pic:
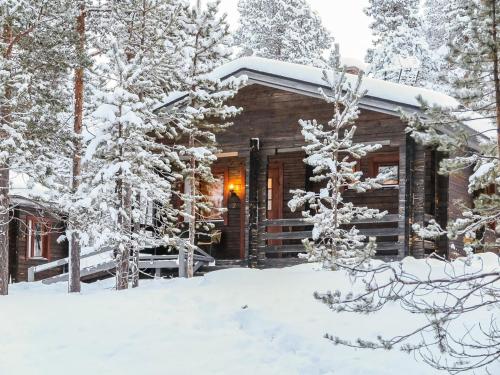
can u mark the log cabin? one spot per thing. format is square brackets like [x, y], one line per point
[35, 233]
[261, 162]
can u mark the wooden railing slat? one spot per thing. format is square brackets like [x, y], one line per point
[369, 232]
[391, 218]
[283, 249]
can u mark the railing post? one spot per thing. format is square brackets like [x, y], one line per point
[31, 274]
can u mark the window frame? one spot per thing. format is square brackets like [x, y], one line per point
[378, 161]
[222, 171]
[31, 220]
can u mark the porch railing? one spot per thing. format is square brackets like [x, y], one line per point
[146, 261]
[387, 230]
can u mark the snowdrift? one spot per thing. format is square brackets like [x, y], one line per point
[236, 321]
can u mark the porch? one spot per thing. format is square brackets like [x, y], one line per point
[259, 229]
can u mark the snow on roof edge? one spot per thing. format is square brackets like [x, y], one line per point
[375, 88]
[394, 92]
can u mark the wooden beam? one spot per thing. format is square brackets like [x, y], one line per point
[227, 155]
[253, 202]
[390, 218]
[406, 155]
[169, 264]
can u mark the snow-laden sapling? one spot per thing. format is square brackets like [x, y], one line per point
[131, 152]
[333, 154]
[205, 113]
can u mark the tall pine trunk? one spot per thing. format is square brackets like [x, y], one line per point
[75, 248]
[4, 230]
[496, 73]
[192, 213]
[5, 113]
[134, 263]
[124, 195]
[123, 264]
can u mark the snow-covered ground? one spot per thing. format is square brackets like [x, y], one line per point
[237, 321]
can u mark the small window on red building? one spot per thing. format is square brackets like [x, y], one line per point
[37, 239]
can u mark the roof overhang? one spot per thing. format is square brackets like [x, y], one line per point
[383, 97]
[300, 87]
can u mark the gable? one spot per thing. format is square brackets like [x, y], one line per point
[273, 115]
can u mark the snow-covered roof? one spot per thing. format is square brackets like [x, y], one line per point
[375, 88]
[380, 95]
[21, 186]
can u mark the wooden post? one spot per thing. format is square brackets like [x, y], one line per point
[262, 204]
[31, 274]
[182, 262]
[417, 199]
[253, 203]
[245, 211]
[404, 178]
[441, 199]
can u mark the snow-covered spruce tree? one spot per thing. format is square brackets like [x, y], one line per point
[205, 113]
[130, 156]
[473, 57]
[467, 284]
[333, 154]
[400, 53]
[283, 30]
[30, 98]
[441, 18]
[57, 160]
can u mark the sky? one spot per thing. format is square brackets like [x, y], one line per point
[344, 18]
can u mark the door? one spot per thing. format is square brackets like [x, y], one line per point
[275, 197]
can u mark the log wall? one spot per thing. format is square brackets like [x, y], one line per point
[272, 116]
[18, 244]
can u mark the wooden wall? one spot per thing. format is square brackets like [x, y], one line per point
[458, 197]
[18, 244]
[273, 115]
[232, 245]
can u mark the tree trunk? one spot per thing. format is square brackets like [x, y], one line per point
[5, 113]
[496, 73]
[134, 261]
[123, 264]
[74, 256]
[4, 230]
[192, 213]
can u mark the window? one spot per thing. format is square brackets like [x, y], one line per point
[37, 241]
[269, 194]
[386, 164]
[390, 171]
[215, 193]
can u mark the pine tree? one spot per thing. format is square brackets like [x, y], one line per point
[131, 159]
[400, 53]
[30, 100]
[282, 30]
[58, 161]
[439, 24]
[205, 112]
[333, 154]
[474, 57]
